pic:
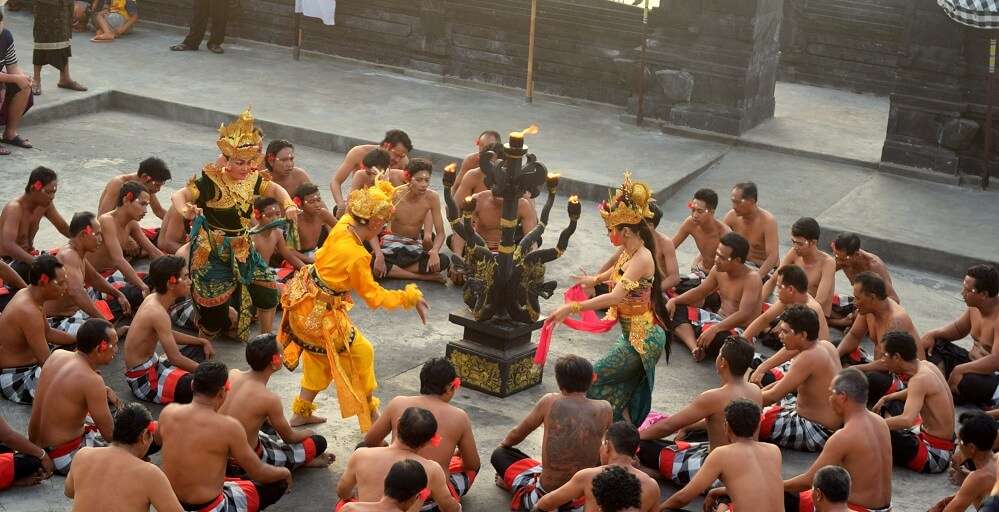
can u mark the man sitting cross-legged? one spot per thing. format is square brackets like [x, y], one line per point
[405, 486]
[922, 436]
[977, 434]
[269, 240]
[21, 461]
[22, 216]
[618, 449]
[412, 246]
[198, 442]
[473, 160]
[279, 158]
[862, 447]
[456, 452]
[757, 226]
[364, 478]
[792, 288]
[679, 460]
[704, 228]
[737, 285]
[973, 375]
[24, 347]
[313, 224]
[877, 314]
[574, 429]
[118, 227]
[802, 421]
[818, 266]
[72, 408]
[116, 477]
[252, 404]
[853, 261]
[85, 288]
[151, 378]
[749, 469]
[831, 489]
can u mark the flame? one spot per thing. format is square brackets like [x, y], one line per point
[574, 199]
[530, 130]
[451, 167]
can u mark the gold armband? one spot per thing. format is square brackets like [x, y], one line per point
[576, 307]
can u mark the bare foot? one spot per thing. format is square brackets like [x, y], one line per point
[322, 461]
[438, 278]
[500, 483]
[103, 37]
[698, 354]
[297, 420]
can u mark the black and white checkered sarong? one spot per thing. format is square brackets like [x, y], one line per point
[19, 384]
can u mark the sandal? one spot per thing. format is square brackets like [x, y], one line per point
[36, 89]
[18, 141]
[73, 86]
[181, 47]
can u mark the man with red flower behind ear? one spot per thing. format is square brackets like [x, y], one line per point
[252, 404]
[72, 407]
[124, 240]
[24, 348]
[21, 217]
[439, 383]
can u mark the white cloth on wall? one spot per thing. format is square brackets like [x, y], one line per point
[322, 9]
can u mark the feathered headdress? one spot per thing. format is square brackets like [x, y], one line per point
[240, 139]
[629, 204]
[374, 202]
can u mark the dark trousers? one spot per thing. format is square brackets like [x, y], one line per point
[218, 10]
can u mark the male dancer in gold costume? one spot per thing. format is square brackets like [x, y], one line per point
[315, 328]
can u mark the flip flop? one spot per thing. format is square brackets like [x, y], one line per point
[36, 89]
[18, 141]
[73, 86]
[182, 48]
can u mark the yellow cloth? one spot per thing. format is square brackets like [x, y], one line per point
[315, 321]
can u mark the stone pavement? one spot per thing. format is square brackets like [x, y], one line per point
[329, 104]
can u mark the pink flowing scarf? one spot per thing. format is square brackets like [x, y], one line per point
[588, 322]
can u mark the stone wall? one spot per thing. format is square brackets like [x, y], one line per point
[937, 114]
[848, 44]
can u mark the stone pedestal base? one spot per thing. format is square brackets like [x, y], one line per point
[494, 358]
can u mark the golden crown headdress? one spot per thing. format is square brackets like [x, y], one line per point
[240, 139]
[629, 204]
[374, 202]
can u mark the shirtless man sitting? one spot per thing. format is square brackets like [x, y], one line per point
[977, 434]
[792, 288]
[853, 261]
[396, 143]
[115, 477]
[198, 442]
[818, 266]
[615, 489]
[704, 228]
[280, 162]
[486, 217]
[749, 469]
[152, 174]
[877, 314]
[21, 461]
[738, 286]
[24, 348]
[972, 375]
[117, 227]
[271, 241]
[619, 447]
[831, 490]
[574, 430]
[757, 226]
[150, 377]
[252, 404]
[862, 447]
[473, 181]
[803, 422]
[925, 447]
[456, 453]
[407, 255]
[472, 160]
[21, 217]
[364, 478]
[85, 287]
[679, 460]
[173, 232]
[405, 486]
[314, 223]
[72, 407]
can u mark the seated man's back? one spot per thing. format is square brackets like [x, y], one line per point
[136, 484]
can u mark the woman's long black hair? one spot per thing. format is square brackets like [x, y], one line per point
[658, 304]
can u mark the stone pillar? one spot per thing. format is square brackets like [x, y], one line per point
[731, 48]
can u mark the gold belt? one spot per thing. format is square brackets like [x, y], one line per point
[316, 349]
[632, 308]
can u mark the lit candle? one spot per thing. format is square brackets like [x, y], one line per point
[552, 180]
[516, 140]
[575, 209]
[450, 174]
[469, 205]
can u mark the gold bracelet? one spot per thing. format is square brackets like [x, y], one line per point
[289, 204]
[576, 307]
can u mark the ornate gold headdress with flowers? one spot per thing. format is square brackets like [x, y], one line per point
[629, 204]
[374, 202]
[240, 139]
